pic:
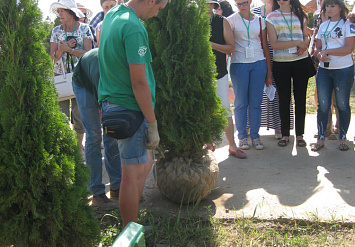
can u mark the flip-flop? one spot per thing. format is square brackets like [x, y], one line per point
[301, 143]
[343, 147]
[283, 143]
[316, 146]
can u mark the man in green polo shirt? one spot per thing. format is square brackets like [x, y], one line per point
[127, 84]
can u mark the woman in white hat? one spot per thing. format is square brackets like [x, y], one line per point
[69, 41]
[86, 11]
[71, 37]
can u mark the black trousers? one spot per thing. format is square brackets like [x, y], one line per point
[283, 72]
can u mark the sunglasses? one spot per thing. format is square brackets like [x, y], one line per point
[282, 0]
[242, 4]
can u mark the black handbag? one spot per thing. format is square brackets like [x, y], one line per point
[311, 67]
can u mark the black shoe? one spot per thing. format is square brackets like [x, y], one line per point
[103, 202]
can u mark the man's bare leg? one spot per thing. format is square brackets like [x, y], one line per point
[133, 177]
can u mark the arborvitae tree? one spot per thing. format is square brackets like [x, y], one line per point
[188, 110]
[43, 181]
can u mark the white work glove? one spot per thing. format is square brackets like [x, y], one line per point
[153, 139]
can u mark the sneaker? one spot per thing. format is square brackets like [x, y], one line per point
[114, 194]
[257, 144]
[103, 202]
[243, 144]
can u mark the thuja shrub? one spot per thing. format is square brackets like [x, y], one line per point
[188, 109]
[43, 181]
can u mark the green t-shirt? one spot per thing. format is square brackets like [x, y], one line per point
[123, 41]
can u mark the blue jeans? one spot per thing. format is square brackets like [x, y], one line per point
[248, 83]
[89, 111]
[341, 80]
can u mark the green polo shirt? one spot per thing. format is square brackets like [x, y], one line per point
[123, 41]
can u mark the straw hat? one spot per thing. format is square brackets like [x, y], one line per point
[88, 11]
[65, 4]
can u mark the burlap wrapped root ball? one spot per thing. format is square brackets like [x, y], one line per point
[187, 180]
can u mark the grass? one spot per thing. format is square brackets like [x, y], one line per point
[194, 230]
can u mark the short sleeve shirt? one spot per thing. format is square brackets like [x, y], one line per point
[240, 34]
[336, 33]
[98, 27]
[281, 24]
[123, 41]
[81, 33]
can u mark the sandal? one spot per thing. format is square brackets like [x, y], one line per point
[316, 146]
[283, 143]
[301, 143]
[343, 146]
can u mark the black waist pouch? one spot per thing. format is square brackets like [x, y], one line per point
[122, 124]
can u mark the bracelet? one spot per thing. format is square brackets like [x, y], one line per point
[72, 50]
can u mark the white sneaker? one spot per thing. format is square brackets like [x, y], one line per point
[257, 144]
[243, 144]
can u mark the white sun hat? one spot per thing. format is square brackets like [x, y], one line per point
[65, 4]
[88, 11]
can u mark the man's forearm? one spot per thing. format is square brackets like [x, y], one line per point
[144, 99]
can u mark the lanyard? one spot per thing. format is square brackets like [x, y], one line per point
[290, 29]
[247, 26]
[264, 16]
[211, 19]
[70, 59]
[66, 36]
[326, 36]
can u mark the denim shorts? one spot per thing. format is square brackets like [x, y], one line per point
[132, 150]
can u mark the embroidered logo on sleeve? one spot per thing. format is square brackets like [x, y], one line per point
[142, 51]
[352, 28]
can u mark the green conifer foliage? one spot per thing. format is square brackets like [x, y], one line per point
[43, 181]
[188, 110]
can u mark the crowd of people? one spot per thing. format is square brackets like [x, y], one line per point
[257, 49]
[271, 48]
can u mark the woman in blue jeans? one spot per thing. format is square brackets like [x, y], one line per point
[250, 70]
[334, 45]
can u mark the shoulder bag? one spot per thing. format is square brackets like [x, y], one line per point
[63, 83]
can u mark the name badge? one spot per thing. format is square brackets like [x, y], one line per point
[292, 49]
[249, 52]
